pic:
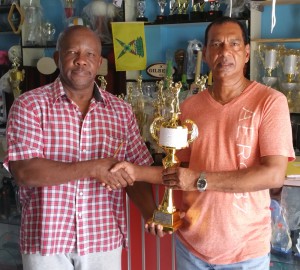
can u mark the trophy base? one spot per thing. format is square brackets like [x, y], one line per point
[214, 14]
[289, 86]
[269, 81]
[178, 18]
[170, 221]
[198, 16]
[142, 19]
[161, 19]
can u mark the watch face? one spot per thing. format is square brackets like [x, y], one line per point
[201, 185]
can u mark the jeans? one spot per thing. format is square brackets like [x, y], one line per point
[187, 261]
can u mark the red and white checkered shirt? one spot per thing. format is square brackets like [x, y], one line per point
[81, 215]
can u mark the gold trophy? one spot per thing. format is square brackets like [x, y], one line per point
[171, 134]
[16, 76]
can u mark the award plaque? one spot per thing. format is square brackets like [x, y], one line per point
[171, 134]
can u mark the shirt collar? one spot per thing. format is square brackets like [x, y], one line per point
[59, 92]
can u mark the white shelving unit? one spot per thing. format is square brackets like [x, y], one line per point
[257, 11]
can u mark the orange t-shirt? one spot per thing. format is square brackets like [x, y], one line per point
[220, 227]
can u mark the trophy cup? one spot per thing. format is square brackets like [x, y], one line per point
[289, 70]
[141, 8]
[48, 33]
[268, 56]
[69, 7]
[171, 134]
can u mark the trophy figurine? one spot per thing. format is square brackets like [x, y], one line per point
[171, 134]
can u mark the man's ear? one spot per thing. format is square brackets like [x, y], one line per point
[56, 58]
[247, 48]
[204, 54]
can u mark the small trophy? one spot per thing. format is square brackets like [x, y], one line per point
[16, 76]
[171, 134]
[161, 18]
[197, 14]
[290, 70]
[214, 11]
[141, 8]
[269, 59]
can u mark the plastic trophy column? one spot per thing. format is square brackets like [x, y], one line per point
[16, 76]
[171, 135]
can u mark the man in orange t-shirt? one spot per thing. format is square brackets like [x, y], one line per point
[242, 150]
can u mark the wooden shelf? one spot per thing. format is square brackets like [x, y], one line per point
[276, 40]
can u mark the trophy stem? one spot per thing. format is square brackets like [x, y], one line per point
[167, 204]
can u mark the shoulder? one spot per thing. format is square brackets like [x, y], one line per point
[36, 96]
[116, 103]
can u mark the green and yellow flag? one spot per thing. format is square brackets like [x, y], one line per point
[129, 45]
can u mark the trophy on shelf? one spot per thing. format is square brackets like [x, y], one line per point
[289, 70]
[141, 8]
[183, 6]
[269, 59]
[161, 18]
[16, 76]
[197, 14]
[171, 134]
[214, 10]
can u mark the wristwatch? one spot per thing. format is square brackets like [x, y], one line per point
[201, 183]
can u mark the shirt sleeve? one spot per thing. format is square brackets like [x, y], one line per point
[23, 133]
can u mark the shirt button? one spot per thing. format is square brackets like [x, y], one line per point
[81, 193]
[83, 150]
[80, 215]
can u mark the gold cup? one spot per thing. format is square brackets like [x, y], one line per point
[171, 134]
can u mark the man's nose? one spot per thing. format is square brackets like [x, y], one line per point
[80, 59]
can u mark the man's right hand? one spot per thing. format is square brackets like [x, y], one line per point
[112, 179]
[155, 229]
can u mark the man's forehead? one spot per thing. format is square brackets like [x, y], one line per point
[229, 32]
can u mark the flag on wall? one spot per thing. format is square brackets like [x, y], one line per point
[129, 45]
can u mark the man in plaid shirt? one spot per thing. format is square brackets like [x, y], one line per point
[63, 139]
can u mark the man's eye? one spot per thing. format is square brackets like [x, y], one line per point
[216, 44]
[235, 44]
[71, 52]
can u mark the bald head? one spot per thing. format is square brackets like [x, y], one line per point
[74, 30]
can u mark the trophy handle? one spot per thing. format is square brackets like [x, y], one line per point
[193, 132]
[155, 126]
[10, 19]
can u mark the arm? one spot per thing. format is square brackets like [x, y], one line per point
[142, 196]
[269, 174]
[149, 174]
[44, 172]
